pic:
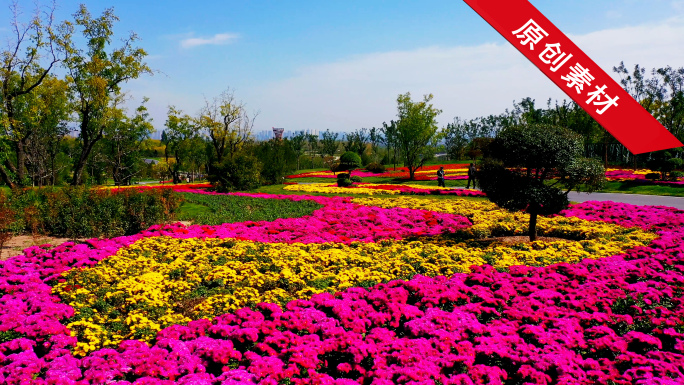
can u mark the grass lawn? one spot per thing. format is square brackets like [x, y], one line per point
[640, 188]
[218, 209]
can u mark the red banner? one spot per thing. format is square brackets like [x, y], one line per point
[576, 74]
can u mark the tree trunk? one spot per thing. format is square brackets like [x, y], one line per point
[605, 155]
[78, 169]
[21, 162]
[532, 230]
[6, 177]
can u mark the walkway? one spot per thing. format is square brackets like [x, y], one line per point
[635, 199]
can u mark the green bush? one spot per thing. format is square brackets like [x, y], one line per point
[356, 179]
[350, 161]
[237, 173]
[81, 212]
[342, 176]
[375, 168]
[674, 175]
[365, 159]
[344, 182]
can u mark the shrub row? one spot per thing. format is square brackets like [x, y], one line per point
[80, 212]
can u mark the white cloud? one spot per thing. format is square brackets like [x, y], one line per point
[218, 39]
[466, 81]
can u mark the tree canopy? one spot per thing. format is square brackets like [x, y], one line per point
[416, 131]
[534, 167]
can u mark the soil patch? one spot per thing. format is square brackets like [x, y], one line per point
[15, 245]
[518, 239]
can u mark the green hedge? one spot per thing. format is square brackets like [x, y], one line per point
[80, 212]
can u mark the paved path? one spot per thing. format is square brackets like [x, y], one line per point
[635, 199]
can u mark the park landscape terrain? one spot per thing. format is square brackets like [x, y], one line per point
[372, 283]
[208, 257]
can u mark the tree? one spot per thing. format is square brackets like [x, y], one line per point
[22, 70]
[375, 137]
[521, 162]
[357, 141]
[96, 77]
[123, 141]
[456, 138]
[181, 129]
[416, 134]
[312, 140]
[389, 133]
[666, 162]
[43, 114]
[329, 143]
[349, 161]
[227, 123]
[296, 143]
[277, 159]
[238, 172]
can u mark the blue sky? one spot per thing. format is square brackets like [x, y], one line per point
[341, 64]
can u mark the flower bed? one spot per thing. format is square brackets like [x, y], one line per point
[622, 175]
[451, 172]
[389, 189]
[169, 185]
[612, 320]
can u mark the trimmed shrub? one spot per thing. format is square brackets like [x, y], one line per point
[350, 161]
[652, 176]
[238, 173]
[344, 182]
[81, 212]
[375, 168]
[674, 175]
[356, 179]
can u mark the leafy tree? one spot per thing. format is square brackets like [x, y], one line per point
[417, 131]
[228, 124]
[32, 53]
[296, 144]
[666, 161]
[43, 114]
[389, 133]
[521, 162]
[181, 129]
[96, 77]
[239, 172]
[357, 141]
[277, 159]
[375, 137]
[662, 95]
[312, 141]
[123, 142]
[456, 138]
[329, 143]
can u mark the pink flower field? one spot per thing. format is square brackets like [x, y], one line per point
[616, 320]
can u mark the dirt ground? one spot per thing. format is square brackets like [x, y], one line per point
[17, 244]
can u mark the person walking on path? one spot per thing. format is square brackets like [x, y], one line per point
[471, 175]
[440, 177]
